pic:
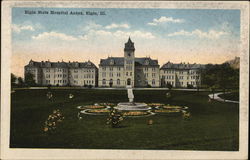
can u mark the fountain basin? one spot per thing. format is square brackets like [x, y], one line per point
[130, 106]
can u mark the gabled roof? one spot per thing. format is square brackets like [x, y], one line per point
[119, 61]
[146, 61]
[62, 64]
[183, 66]
[112, 61]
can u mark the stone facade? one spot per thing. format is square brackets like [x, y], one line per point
[128, 70]
[117, 72]
[62, 73]
[181, 75]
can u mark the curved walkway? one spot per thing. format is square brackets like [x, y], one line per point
[217, 98]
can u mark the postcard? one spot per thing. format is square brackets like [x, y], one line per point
[124, 80]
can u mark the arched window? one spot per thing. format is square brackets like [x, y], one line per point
[111, 82]
[153, 82]
[104, 81]
[128, 81]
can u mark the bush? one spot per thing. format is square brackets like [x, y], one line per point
[190, 86]
[169, 86]
[90, 86]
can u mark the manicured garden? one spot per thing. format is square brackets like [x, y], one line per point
[212, 126]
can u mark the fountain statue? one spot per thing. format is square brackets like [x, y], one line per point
[130, 94]
[131, 105]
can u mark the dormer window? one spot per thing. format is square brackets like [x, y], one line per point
[146, 62]
[31, 62]
[129, 54]
[111, 61]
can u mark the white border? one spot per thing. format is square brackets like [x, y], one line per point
[7, 153]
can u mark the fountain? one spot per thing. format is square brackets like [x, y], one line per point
[131, 105]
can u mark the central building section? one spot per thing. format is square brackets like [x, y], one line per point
[129, 63]
[129, 70]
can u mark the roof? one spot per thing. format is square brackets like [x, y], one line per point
[129, 46]
[112, 61]
[119, 61]
[45, 64]
[146, 61]
[184, 66]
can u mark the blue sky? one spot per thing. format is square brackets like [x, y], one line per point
[177, 35]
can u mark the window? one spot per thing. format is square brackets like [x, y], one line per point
[126, 73]
[118, 68]
[76, 76]
[118, 81]
[130, 73]
[104, 81]
[153, 82]
[47, 75]
[153, 75]
[110, 74]
[153, 69]
[146, 69]
[47, 70]
[76, 71]
[104, 68]
[111, 68]
[103, 74]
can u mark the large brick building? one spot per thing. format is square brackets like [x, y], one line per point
[116, 72]
[129, 70]
[62, 73]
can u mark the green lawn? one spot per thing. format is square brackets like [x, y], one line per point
[234, 96]
[213, 126]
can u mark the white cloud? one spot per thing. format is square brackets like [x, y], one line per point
[114, 25]
[91, 25]
[211, 34]
[51, 35]
[134, 34]
[18, 28]
[118, 34]
[103, 33]
[164, 19]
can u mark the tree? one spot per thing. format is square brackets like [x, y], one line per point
[13, 79]
[29, 79]
[169, 86]
[221, 76]
[20, 81]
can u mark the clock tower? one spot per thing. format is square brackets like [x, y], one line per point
[129, 63]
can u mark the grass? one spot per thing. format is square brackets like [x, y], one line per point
[234, 96]
[213, 125]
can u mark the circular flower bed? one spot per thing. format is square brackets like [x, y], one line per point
[155, 104]
[91, 107]
[95, 111]
[168, 111]
[98, 111]
[136, 113]
[172, 107]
